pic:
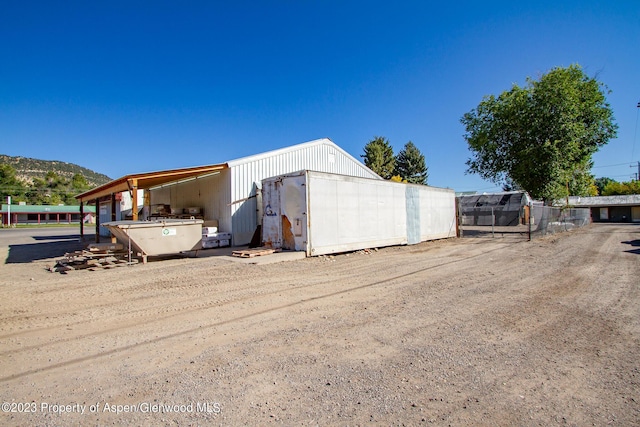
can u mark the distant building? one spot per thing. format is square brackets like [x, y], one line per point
[625, 208]
[45, 214]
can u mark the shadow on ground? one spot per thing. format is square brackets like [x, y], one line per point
[635, 243]
[46, 248]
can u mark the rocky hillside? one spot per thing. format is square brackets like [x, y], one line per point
[27, 169]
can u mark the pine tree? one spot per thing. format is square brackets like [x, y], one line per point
[411, 166]
[378, 156]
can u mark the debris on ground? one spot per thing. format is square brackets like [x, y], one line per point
[251, 253]
[96, 256]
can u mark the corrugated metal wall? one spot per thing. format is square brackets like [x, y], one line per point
[246, 177]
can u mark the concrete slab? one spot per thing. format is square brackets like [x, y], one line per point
[225, 254]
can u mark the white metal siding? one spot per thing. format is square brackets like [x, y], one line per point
[247, 175]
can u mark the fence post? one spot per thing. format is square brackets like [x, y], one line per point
[493, 221]
[529, 219]
[458, 218]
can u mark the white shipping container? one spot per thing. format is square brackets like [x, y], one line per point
[321, 213]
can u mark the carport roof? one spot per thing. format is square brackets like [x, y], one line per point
[147, 180]
[604, 201]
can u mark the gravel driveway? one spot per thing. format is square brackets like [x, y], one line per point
[454, 332]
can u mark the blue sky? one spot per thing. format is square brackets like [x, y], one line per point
[134, 86]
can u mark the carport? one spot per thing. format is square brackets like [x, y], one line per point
[133, 183]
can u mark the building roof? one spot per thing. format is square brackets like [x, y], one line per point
[509, 200]
[27, 209]
[147, 180]
[154, 179]
[602, 201]
[298, 147]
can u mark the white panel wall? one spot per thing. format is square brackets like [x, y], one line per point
[437, 213]
[350, 213]
[347, 213]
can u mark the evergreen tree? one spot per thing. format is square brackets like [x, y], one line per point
[411, 166]
[378, 156]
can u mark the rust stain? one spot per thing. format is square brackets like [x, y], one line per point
[288, 241]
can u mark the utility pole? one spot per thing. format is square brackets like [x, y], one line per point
[636, 174]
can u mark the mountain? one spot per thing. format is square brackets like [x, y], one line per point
[27, 169]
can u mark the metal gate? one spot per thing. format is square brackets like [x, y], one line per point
[532, 221]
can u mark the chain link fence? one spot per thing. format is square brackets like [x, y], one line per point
[529, 222]
[556, 220]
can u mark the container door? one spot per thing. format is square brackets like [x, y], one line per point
[271, 223]
[293, 212]
[635, 213]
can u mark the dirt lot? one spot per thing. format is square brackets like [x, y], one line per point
[457, 332]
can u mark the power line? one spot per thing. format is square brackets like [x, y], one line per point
[610, 166]
[617, 176]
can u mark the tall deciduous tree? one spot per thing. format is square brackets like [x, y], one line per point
[621, 188]
[541, 136]
[410, 165]
[378, 156]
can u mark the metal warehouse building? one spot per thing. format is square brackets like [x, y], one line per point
[226, 192]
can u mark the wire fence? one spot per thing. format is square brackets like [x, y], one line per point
[528, 222]
[556, 220]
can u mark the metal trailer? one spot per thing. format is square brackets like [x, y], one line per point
[322, 213]
[161, 237]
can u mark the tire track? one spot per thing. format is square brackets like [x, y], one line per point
[236, 319]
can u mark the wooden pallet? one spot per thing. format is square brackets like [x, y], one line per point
[91, 260]
[251, 253]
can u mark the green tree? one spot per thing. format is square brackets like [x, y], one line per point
[378, 156]
[621, 188]
[10, 185]
[410, 165]
[542, 135]
[79, 183]
[509, 185]
[602, 182]
[581, 182]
